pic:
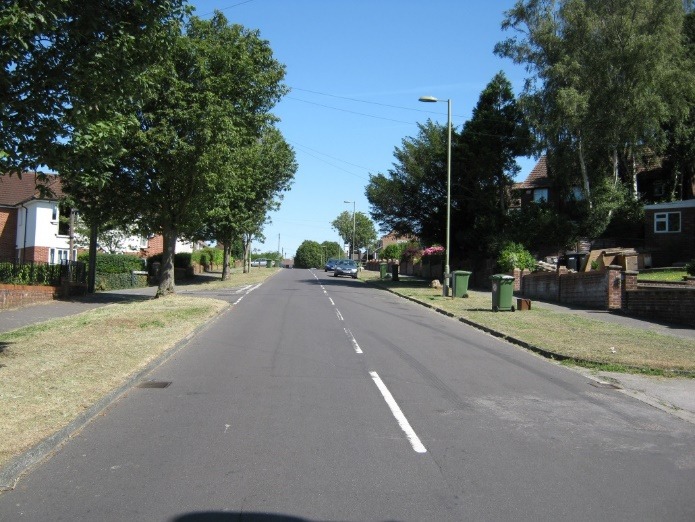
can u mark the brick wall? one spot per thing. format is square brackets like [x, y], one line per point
[8, 231]
[673, 305]
[14, 296]
[602, 289]
[36, 254]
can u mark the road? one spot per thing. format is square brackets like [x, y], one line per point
[317, 398]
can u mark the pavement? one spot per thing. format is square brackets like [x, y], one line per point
[675, 395]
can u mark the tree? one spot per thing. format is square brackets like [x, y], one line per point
[486, 153]
[308, 255]
[331, 249]
[250, 185]
[411, 198]
[63, 61]
[364, 231]
[606, 77]
[212, 92]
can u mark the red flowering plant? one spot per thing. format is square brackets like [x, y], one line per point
[434, 250]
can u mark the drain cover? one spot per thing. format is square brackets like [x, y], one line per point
[154, 384]
[600, 384]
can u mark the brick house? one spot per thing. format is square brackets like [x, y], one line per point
[30, 228]
[669, 230]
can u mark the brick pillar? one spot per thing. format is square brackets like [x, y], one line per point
[629, 283]
[614, 287]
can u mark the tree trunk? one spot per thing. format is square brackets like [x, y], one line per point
[246, 241]
[166, 272]
[226, 249]
[585, 175]
[92, 268]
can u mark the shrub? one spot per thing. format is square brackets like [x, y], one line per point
[393, 251]
[514, 255]
[690, 267]
[208, 256]
[181, 260]
[114, 263]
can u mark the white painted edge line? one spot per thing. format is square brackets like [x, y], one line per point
[398, 414]
[353, 341]
[337, 312]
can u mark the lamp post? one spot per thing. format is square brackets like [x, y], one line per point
[432, 99]
[352, 245]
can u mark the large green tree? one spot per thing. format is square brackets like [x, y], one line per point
[411, 198]
[361, 225]
[212, 92]
[63, 61]
[486, 153]
[606, 77]
[309, 255]
[251, 184]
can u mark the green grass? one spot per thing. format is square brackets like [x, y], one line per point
[668, 275]
[565, 335]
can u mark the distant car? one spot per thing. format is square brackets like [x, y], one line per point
[330, 264]
[345, 267]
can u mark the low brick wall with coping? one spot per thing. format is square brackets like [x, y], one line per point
[611, 289]
[15, 296]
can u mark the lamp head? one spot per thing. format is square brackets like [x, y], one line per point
[428, 99]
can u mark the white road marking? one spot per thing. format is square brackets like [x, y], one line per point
[331, 300]
[353, 341]
[398, 414]
[337, 312]
[248, 291]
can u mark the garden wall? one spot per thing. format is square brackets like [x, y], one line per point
[600, 289]
[15, 296]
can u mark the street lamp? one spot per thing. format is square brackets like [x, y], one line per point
[352, 246]
[432, 99]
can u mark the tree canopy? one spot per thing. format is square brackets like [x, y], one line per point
[411, 199]
[365, 233]
[606, 80]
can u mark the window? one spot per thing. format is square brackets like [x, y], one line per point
[540, 195]
[576, 193]
[665, 222]
[58, 255]
[54, 215]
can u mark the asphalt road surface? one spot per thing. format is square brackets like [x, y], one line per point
[318, 398]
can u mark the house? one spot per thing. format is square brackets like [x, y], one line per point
[536, 188]
[30, 228]
[669, 232]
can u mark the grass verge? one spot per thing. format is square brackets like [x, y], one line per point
[597, 343]
[53, 371]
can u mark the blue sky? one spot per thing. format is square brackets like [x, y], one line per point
[356, 69]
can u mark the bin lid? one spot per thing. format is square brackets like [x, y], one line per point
[501, 276]
[462, 272]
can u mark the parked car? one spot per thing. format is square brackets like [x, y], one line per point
[259, 262]
[345, 267]
[330, 264]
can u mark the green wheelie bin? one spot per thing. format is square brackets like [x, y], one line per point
[502, 292]
[460, 283]
[383, 267]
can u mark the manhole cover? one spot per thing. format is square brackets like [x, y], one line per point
[154, 384]
[600, 384]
